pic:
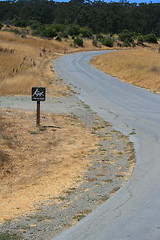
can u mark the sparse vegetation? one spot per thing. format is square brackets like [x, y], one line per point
[78, 217]
[103, 199]
[25, 62]
[9, 236]
[81, 215]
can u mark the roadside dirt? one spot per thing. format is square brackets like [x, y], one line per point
[36, 162]
[53, 176]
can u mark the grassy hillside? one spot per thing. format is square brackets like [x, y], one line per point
[26, 62]
[139, 66]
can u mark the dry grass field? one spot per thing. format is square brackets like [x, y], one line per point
[21, 63]
[139, 66]
[26, 62]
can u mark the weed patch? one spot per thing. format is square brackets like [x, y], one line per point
[9, 236]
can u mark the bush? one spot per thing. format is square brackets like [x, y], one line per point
[127, 37]
[107, 42]
[99, 37]
[85, 32]
[72, 30]
[16, 31]
[140, 39]
[49, 31]
[58, 38]
[78, 42]
[95, 42]
[150, 38]
[18, 22]
[38, 30]
[64, 35]
[34, 24]
[126, 44]
[58, 27]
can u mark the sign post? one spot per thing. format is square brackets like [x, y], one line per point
[38, 113]
[38, 94]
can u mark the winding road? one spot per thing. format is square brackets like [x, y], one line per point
[134, 211]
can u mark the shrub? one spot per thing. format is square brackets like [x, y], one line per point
[58, 38]
[85, 32]
[127, 37]
[59, 27]
[49, 31]
[150, 38]
[34, 24]
[72, 30]
[140, 39]
[99, 37]
[119, 44]
[78, 42]
[18, 22]
[107, 42]
[133, 44]
[38, 30]
[126, 44]
[95, 42]
[16, 31]
[64, 35]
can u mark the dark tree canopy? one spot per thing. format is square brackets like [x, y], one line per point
[112, 17]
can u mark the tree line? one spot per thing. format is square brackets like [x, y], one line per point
[49, 18]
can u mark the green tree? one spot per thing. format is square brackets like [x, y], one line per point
[106, 17]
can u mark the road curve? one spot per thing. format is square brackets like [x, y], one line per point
[133, 213]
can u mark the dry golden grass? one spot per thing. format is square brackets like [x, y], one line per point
[140, 66]
[26, 62]
[22, 63]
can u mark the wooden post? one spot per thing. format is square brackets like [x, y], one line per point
[38, 113]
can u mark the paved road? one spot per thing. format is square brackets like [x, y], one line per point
[134, 211]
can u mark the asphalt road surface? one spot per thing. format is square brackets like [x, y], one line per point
[134, 211]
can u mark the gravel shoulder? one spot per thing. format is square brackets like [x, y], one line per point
[108, 169]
